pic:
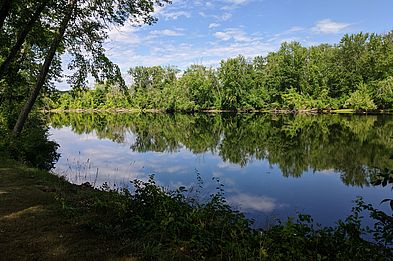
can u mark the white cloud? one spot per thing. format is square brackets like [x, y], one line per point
[125, 34]
[183, 47]
[214, 25]
[233, 4]
[225, 36]
[253, 203]
[294, 29]
[162, 51]
[166, 32]
[226, 16]
[237, 2]
[235, 34]
[176, 14]
[328, 26]
[209, 5]
[178, 8]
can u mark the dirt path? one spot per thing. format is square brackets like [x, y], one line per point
[32, 225]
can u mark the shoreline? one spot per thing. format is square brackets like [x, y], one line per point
[272, 111]
[45, 217]
[34, 224]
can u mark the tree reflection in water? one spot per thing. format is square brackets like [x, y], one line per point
[349, 144]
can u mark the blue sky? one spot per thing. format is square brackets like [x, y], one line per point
[205, 32]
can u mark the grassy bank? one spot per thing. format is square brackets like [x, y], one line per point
[33, 224]
[44, 217]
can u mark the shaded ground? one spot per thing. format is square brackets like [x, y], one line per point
[32, 224]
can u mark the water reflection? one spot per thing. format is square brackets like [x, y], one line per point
[349, 144]
[253, 203]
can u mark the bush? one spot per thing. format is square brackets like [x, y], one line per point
[4, 134]
[175, 222]
[160, 224]
[360, 99]
[295, 101]
[32, 146]
[383, 93]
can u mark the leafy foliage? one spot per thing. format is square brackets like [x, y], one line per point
[32, 147]
[384, 92]
[355, 74]
[34, 35]
[360, 99]
[159, 224]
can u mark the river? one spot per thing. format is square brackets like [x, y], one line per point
[269, 166]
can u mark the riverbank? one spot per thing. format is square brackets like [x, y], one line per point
[273, 111]
[33, 225]
[44, 217]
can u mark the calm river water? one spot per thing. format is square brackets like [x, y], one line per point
[271, 166]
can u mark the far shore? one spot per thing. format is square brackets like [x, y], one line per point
[273, 111]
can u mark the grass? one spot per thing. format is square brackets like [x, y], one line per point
[344, 111]
[32, 221]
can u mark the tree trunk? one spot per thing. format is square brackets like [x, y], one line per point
[44, 71]
[21, 39]
[4, 9]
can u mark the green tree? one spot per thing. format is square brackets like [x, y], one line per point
[199, 83]
[81, 29]
[356, 73]
[148, 84]
[4, 10]
[284, 69]
[383, 93]
[236, 79]
[21, 38]
[361, 99]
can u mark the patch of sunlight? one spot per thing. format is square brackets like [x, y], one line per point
[58, 251]
[26, 211]
[123, 259]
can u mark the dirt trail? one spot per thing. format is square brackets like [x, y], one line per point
[32, 225]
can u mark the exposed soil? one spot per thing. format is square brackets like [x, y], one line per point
[33, 225]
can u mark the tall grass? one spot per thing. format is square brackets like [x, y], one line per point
[156, 223]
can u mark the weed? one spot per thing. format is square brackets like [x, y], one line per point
[172, 225]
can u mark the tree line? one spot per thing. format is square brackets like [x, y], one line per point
[356, 73]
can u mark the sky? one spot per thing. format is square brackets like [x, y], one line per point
[205, 32]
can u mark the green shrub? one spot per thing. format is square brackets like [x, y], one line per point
[295, 101]
[165, 225]
[4, 134]
[383, 93]
[32, 146]
[360, 99]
